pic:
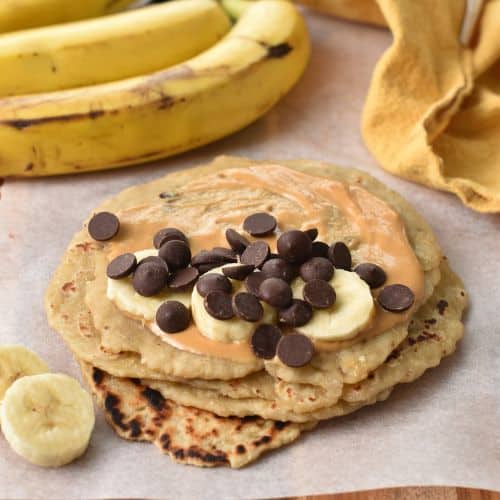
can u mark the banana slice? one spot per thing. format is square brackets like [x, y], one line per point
[352, 311]
[47, 419]
[15, 362]
[122, 294]
[231, 330]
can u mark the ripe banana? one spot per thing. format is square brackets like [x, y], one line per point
[235, 8]
[122, 294]
[109, 48]
[15, 362]
[352, 311]
[230, 330]
[23, 14]
[47, 419]
[140, 119]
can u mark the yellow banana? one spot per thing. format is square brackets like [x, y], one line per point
[109, 48]
[235, 8]
[23, 14]
[146, 118]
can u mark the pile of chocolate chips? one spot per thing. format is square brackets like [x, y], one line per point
[267, 277]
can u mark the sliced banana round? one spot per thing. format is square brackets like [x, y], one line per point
[353, 309]
[122, 294]
[47, 419]
[15, 362]
[230, 330]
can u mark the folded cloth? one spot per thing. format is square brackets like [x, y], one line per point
[432, 114]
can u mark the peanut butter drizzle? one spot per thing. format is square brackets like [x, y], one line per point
[378, 229]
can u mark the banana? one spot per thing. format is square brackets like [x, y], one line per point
[230, 330]
[353, 310]
[23, 14]
[15, 362]
[145, 118]
[47, 419]
[235, 8]
[110, 48]
[123, 295]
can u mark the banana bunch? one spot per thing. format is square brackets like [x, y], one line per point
[142, 85]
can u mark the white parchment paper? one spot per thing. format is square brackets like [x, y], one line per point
[443, 429]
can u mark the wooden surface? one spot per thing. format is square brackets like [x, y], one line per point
[416, 493]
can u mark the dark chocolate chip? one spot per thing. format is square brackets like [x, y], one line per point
[205, 268]
[264, 340]
[176, 254]
[227, 254]
[253, 281]
[168, 234]
[319, 249]
[236, 241]
[213, 282]
[218, 305]
[103, 226]
[396, 298]
[312, 233]
[275, 292]
[259, 224]
[183, 278]
[173, 316]
[295, 350]
[319, 293]
[294, 246]
[155, 259]
[371, 273]
[317, 268]
[297, 314]
[247, 307]
[255, 254]
[217, 255]
[238, 272]
[340, 256]
[280, 268]
[149, 279]
[121, 266]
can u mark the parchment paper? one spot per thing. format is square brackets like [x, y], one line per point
[443, 429]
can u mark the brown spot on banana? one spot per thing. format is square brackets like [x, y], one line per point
[278, 51]
[21, 124]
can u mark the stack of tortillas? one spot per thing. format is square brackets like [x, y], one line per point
[213, 393]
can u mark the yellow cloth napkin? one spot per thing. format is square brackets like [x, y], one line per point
[432, 114]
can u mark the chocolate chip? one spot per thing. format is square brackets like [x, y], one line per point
[319, 249]
[168, 234]
[280, 268]
[121, 266]
[103, 226]
[256, 253]
[317, 268]
[396, 298]
[176, 254]
[264, 340]
[319, 293]
[149, 279]
[259, 224]
[275, 292]
[253, 281]
[312, 233]
[155, 259]
[297, 314]
[236, 241]
[183, 278]
[239, 272]
[371, 273]
[213, 282]
[205, 268]
[247, 307]
[340, 256]
[294, 246]
[173, 316]
[218, 305]
[295, 350]
[217, 256]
